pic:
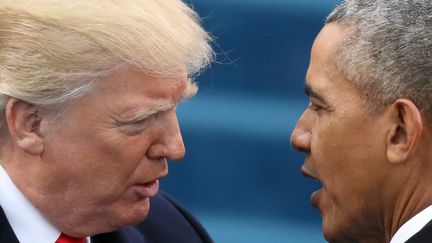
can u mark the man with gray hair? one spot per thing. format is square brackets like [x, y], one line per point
[367, 131]
[88, 95]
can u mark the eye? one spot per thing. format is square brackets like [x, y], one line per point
[135, 127]
[140, 121]
[314, 107]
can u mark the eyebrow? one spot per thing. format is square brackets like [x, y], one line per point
[143, 113]
[310, 92]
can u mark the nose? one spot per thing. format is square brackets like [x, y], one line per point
[175, 148]
[302, 134]
[170, 143]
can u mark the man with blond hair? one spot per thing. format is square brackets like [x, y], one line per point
[367, 132]
[88, 95]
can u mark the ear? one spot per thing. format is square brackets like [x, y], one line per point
[23, 120]
[406, 131]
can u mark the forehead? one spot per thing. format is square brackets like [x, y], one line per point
[324, 49]
[132, 87]
[323, 70]
[329, 38]
[129, 90]
[132, 81]
[325, 77]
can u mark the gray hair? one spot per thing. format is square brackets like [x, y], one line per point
[388, 54]
[51, 51]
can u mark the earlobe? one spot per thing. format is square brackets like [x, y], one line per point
[406, 130]
[23, 121]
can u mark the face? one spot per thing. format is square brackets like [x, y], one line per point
[344, 146]
[105, 156]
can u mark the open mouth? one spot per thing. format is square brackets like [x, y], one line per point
[147, 189]
[315, 197]
[308, 174]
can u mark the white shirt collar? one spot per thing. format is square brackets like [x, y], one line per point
[412, 226]
[26, 221]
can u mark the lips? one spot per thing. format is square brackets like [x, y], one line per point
[306, 172]
[148, 189]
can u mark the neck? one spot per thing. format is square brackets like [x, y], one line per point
[415, 196]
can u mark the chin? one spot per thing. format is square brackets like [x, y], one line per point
[336, 233]
[137, 212]
[329, 228]
[333, 238]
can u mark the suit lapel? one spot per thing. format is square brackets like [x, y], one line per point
[6, 232]
[423, 236]
[113, 237]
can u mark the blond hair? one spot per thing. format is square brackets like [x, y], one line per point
[52, 50]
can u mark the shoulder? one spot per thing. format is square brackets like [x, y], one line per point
[168, 221]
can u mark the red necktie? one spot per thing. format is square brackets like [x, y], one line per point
[69, 239]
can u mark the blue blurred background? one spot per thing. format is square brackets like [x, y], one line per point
[240, 176]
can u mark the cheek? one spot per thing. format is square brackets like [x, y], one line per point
[102, 164]
[344, 139]
[341, 157]
[115, 163]
[348, 165]
[329, 143]
[123, 161]
[120, 151]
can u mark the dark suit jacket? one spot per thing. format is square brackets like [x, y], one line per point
[167, 222]
[423, 236]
